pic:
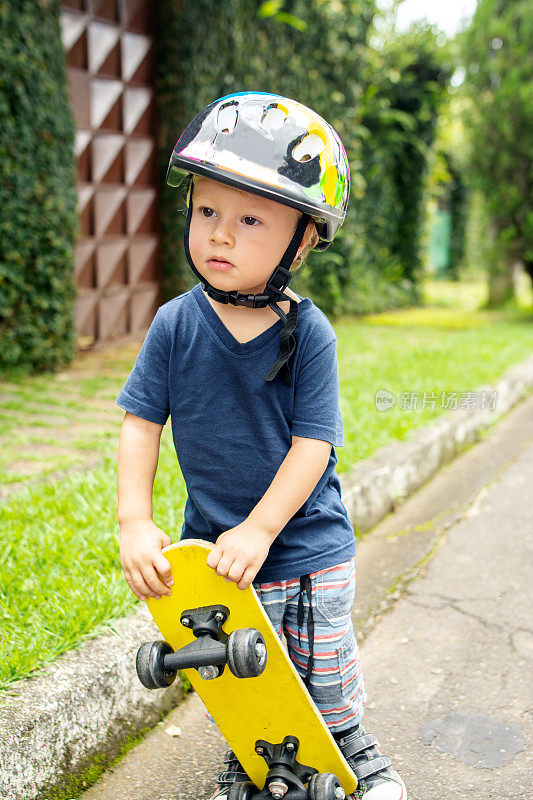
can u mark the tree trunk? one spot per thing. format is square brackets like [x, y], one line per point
[528, 267]
[501, 272]
[501, 285]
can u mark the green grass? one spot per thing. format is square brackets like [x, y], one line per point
[60, 576]
[418, 351]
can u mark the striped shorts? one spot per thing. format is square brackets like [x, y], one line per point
[335, 681]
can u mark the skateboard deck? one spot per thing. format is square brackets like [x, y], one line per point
[270, 706]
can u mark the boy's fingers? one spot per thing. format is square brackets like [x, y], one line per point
[163, 568]
[213, 558]
[133, 590]
[140, 585]
[235, 572]
[154, 582]
[247, 579]
[224, 566]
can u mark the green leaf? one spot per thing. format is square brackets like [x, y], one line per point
[270, 7]
[290, 19]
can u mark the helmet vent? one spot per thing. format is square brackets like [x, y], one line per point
[227, 117]
[273, 117]
[310, 147]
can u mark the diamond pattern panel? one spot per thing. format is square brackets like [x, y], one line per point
[104, 95]
[104, 8]
[82, 253]
[72, 27]
[107, 204]
[102, 38]
[109, 49]
[106, 148]
[82, 140]
[143, 307]
[134, 48]
[80, 96]
[86, 311]
[141, 253]
[135, 13]
[138, 152]
[140, 202]
[113, 313]
[135, 102]
[109, 257]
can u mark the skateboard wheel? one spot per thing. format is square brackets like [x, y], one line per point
[150, 665]
[244, 790]
[324, 786]
[246, 652]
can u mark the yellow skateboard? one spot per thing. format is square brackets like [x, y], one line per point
[223, 640]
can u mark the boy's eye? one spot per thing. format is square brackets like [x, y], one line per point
[205, 211]
[250, 221]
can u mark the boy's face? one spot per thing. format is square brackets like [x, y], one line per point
[237, 238]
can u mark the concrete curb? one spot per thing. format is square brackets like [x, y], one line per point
[77, 713]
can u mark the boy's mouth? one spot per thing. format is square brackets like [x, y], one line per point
[220, 264]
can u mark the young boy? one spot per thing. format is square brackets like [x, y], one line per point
[247, 370]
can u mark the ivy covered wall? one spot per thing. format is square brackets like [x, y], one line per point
[38, 219]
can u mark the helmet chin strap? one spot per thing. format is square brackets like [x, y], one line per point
[273, 293]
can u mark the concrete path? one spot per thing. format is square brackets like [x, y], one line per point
[444, 617]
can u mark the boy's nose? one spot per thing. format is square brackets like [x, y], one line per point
[222, 235]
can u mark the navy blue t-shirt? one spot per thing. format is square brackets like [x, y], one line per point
[232, 429]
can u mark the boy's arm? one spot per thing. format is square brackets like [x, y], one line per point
[146, 570]
[240, 552]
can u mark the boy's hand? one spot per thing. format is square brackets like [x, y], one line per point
[239, 553]
[146, 569]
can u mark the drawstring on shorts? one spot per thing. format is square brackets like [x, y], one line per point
[306, 586]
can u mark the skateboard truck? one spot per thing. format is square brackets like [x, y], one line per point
[286, 778]
[244, 650]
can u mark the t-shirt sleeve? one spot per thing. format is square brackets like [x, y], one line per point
[145, 392]
[317, 413]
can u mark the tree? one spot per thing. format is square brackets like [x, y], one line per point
[496, 53]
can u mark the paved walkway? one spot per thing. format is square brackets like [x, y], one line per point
[445, 608]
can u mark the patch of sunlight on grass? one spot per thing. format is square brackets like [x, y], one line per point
[427, 317]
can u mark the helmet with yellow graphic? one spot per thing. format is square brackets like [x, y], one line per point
[273, 146]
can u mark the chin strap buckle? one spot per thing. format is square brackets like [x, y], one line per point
[249, 300]
[236, 298]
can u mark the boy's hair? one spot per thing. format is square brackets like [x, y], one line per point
[299, 260]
